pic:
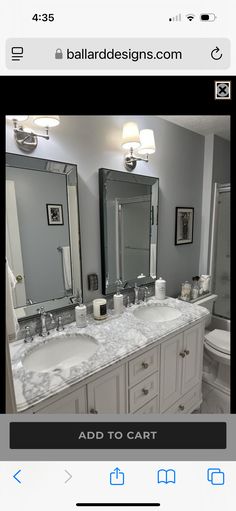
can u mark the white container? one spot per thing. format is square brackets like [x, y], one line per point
[100, 308]
[80, 316]
[118, 303]
[160, 289]
[204, 284]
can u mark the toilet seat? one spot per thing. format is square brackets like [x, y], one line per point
[219, 340]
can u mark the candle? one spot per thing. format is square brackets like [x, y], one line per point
[100, 308]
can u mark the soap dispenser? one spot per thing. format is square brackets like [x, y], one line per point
[80, 313]
[160, 289]
[118, 298]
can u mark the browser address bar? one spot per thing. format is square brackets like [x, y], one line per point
[118, 53]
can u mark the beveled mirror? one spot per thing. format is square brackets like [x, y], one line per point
[129, 220]
[42, 233]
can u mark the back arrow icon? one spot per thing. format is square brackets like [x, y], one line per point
[15, 476]
[70, 476]
[214, 54]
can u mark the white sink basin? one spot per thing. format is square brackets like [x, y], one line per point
[62, 351]
[157, 314]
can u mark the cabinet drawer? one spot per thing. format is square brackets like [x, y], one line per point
[151, 407]
[142, 366]
[143, 392]
[188, 402]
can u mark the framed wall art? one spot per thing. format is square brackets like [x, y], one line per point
[183, 225]
[55, 214]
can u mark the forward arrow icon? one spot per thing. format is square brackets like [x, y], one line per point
[69, 476]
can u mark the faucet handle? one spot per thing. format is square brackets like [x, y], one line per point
[28, 336]
[52, 318]
[41, 310]
[60, 326]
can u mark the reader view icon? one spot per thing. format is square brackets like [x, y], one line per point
[166, 476]
[215, 476]
[117, 478]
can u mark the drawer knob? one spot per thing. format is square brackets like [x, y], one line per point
[145, 392]
[181, 407]
[182, 354]
[187, 352]
[145, 365]
[93, 410]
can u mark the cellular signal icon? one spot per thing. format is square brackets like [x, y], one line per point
[178, 17]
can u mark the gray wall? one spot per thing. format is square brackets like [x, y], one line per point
[39, 241]
[94, 142]
[221, 160]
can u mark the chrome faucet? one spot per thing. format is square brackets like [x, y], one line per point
[145, 294]
[43, 315]
[60, 326]
[136, 294]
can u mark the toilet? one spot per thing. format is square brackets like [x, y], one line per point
[217, 343]
[216, 363]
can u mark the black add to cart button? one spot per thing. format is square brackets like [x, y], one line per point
[113, 435]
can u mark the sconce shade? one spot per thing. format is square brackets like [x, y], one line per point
[47, 121]
[17, 117]
[130, 136]
[147, 142]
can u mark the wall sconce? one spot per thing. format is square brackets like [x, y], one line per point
[132, 139]
[26, 139]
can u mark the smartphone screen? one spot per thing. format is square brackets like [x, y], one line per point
[117, 362]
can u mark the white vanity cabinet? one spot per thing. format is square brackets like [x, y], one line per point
[181, 370]
[107, 394]
[164, 378]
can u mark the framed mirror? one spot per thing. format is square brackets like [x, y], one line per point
[42, 233]
[129, 220]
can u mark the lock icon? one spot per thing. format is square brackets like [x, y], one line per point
[58, 54]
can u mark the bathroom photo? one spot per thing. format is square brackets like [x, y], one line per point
[117, 264]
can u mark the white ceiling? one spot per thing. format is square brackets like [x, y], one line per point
[203, 124]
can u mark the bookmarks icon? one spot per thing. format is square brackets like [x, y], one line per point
[166, 476]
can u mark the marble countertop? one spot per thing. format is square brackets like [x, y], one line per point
[117, 337]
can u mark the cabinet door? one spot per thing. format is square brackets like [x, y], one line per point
[171, 371]
[192, 362]
[73, 403]
[107, 393]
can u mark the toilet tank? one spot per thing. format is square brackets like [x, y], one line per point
[207, 302]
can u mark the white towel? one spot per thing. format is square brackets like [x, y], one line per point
[153, 260]
[11, 319]
[66, 267]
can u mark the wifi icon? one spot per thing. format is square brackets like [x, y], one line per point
[190, 17]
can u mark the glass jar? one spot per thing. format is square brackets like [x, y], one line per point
[186, 291]
[195, 288]
[195, 291]
[204, 284]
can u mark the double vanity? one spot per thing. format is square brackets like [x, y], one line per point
[147, 360]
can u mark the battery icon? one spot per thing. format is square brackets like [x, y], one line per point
[208, 17]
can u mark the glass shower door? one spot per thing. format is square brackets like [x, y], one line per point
[222, 260]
